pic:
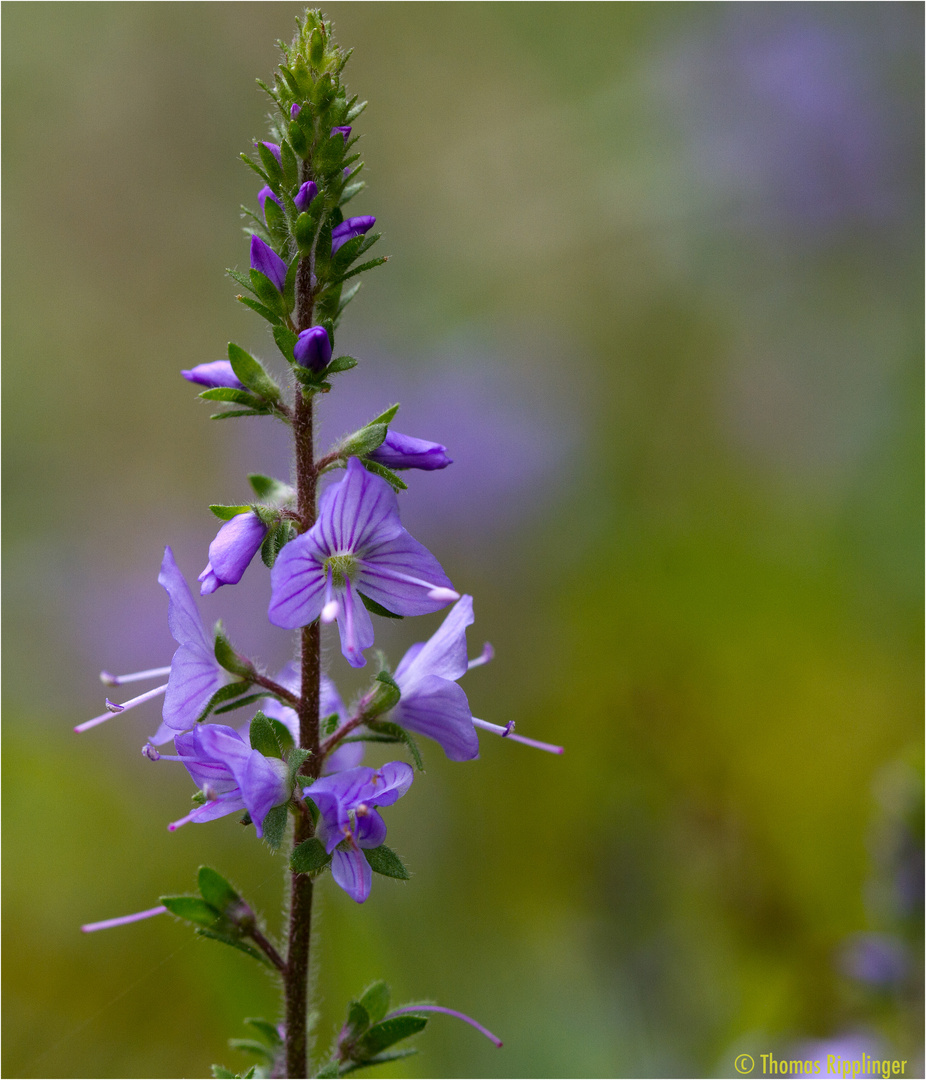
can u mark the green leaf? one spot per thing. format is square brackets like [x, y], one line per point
[283, 736]
[227, 657]
[276, 220]
[251, 373]
[378, 609]
[194, 910]
[229, 393]
[267, 292]
[275, 826]
[235, 943]
[252, 1046]
[264, 312]
[267, 1031]
[290, 165]
[350, 190]
[386, 417]
[383, 860]
[221, 1073]
[363, 441]
[355, 110]
[379, 1059]
[274, 542]
[329, 725]
[273, 170]
[384, 1034]
[253, 165]
[243, 281]
[285, 339]
[360, 269]
[385, 697]
[226, 513]
[387, 474]
[347, 296]
[240, 703]
[386, 727]
[375, 999]
[358, 1020]
[241, 412]
[223, 694]
[215, 890]
[289, 287]
[295, 759]
[268, 488]
[338, 364]
[250, 1074]
[328, 1071]
[263, 737]
[309, 857]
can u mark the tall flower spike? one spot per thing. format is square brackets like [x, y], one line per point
[348, 821]
[356, 548]
[230, 553]
[235, 776]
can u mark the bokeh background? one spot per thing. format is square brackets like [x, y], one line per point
[656, 282]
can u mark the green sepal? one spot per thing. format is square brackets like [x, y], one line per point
[358, 1021]
[324, 92]
[226, 656]
[309, 857]
[382, 1035]
[329, 725]
[328, 1071]
[276, 220]
[273, 169]
[379, 1059]
[221, 1073]
[192, 909]
[289, 287]
[268, 294]
[386, 696]
[235, 275]
[294, 88]
[274, 542]
[240, 703]
[387, 416]
[398, 734]
[359, 269]
[349, 252]
[304, 229]
[236, 943]
[251, 373]
[226, 513]
[253, 165]
[383, 860]
[387, 474]
[215, 890]
[375, 999]
[316, 48]
[337, 365]
[269, 488]
[267, 1031]
[229, 393]
[378, 609]
[364, 441]
[296, 757]
[275, 826]
[252, 1046]
[289, 163]
[263, 738]
[264, 312]
[297, 138]
[285, 339]
[266, 411]
[223, 694]
[350, 190]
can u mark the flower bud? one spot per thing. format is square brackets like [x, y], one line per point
[305, 195]
[266, 260]
[216, 373]
[295, 110]
[263, 195]
[348, 229]
[345, 131]
[399, 451]
[313, 348]
[273, 148]
[235, 544]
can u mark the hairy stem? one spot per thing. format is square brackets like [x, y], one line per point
[296, 976]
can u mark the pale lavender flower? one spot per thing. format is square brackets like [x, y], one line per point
[348, 821]
[313, 348]
[230, 553]
[432, 704]
[194, 674]
[266, 260]
[305, 195]
[347, 230]
[357, 546]
[230, 774]
[215, 373]
[399, 451]
[345, 755]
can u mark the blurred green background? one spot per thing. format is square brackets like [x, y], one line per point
[656, 282]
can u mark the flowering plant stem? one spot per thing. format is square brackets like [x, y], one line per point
[298, 960]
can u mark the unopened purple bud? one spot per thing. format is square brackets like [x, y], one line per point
[266, 260]
[273, 148]
[263, 195]
[399, 451]
[295, 110]
[345, 131]
[305, 195]
[235, 544]
[313, 348]
[347, 230]
[216, 373]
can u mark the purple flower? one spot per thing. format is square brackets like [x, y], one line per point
[399, 451]
[432, 704]
[345, 131]
[347, 230]
[313, 348]
[273, 148]
[263, 195]
[345, 755]
[215, 373]
[356, 546]
[305, 195]
[348, 821]
[231, 775]
[230, 553]
[266, 260]
[295, 110]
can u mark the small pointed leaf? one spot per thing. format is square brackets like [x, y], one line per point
[275, 826]
[383, 860]
[215, 890]
[263, 737]
[375, 999]
[309, 857]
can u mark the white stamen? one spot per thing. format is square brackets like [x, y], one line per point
[487, 654]
[435, 592]
[138, 676]
[443, 596]
[112, 708]
[330, 611]
[507, 732]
